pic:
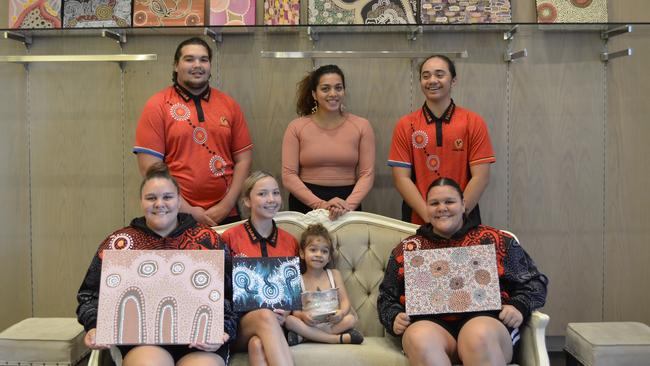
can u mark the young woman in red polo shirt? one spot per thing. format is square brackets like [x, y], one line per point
[260, 331]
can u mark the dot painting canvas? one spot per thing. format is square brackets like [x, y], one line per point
[32, 14]
[362, 12]
[166, 13]
[451, 280]
[281, 12]
[96, 13]
[232, 12]
[465, 11]
[161, 297]
[266, 282]
[572, 11]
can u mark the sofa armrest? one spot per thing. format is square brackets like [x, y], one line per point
[533, 341]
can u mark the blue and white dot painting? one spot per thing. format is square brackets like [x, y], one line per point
[266, 282]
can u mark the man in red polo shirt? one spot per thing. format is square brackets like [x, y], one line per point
[440, 139]
[201, 134]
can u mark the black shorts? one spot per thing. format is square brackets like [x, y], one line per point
[177, 351]
[454, 326]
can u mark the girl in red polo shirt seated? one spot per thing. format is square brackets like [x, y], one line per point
[260, 331]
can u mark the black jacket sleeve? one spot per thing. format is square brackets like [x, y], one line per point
[230, 317]
[526, 286]
[88, 295]
[390, 291]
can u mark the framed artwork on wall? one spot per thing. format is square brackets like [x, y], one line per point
[97, 13]
[572, 11]
[330, 12]
[465, 12]
[34, 14]
[232, 12]
[166, 13]
[281, 12]
[161, 297]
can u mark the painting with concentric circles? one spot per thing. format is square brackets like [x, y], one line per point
[161, 297]
[451, 280]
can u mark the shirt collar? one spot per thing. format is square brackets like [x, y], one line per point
[187, 96]
[446, 115]
[255, 237]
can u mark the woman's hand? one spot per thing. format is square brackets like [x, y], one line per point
[402, 321]
[337, 207]
[89, 340]
[281, 315]
[510, 316]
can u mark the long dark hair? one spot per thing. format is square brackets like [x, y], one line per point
[444, 181]
[304, 98]
[158, 170]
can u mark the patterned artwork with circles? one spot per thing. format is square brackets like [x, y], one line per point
[572, 11]
[32, 14]
[362, 12]
[232, 12]
[161, 297]
[281, 12]
[161, 13]
[96, 13]
[465, 12]
[451, 280]
[272, 283]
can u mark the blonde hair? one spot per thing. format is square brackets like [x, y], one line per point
[248, 185]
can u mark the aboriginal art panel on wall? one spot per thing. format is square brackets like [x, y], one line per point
[161, 13]
[465, 11]
[161, 297]
[281, 12]
[96, 13]
[32, 14]
[451, 280]
[232, 12]
[572, 11]
[362, 12]
[266, 282]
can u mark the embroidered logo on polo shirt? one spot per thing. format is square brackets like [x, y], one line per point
[180, 112]
[217, 166]
[433, 163]
[224, 121]
[458, 145]
[419, 139]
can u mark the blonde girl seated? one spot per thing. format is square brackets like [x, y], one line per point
[327, 315]
[260, 331]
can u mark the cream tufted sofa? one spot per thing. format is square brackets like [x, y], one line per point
[363, 243]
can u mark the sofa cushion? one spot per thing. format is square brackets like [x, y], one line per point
[373, 351]
[609, 343]
[43, 341]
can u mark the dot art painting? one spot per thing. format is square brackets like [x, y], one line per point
[165, 13]
[451, 280]
[572, 11]
[465, 11]
[266, 282]
[33, 14]
[161, 297]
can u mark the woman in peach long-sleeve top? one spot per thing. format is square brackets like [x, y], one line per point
[328, 155]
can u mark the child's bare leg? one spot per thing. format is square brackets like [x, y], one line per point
[348, 321]
[256, 352]
[312, 333]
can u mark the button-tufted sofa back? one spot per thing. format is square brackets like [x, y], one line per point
[362, 242]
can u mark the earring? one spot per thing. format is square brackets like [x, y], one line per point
[342, 108]
[314, 109]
